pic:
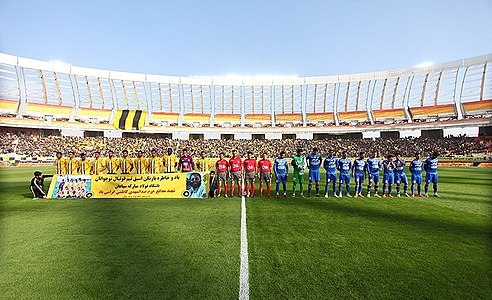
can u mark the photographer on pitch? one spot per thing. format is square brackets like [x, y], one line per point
[37, 184]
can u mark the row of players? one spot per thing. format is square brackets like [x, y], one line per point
[338, 170]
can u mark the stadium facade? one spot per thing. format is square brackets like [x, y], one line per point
[453, 97]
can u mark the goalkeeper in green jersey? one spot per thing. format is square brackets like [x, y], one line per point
[299, 164]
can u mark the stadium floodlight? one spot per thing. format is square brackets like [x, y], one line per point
[424, 65]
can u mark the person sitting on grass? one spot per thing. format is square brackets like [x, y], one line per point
[37, 184]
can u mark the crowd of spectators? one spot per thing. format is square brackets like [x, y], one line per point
[36, 146]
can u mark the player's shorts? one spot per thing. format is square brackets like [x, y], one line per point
[237, 176]
[359, 178]
[373, 177]
[417, 178]
[389, 178]
[281, 178]
[265, 176]
[344, 178]
[431, 177]
[314, 175]
[250, 176]
[222, 176]
[331, 177]
[401, 178]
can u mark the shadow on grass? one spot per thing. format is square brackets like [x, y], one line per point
[426, 223]
[139, 255]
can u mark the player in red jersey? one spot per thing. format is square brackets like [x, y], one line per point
[235, 172]
[222, 167]
[265, 170]
[249, 175]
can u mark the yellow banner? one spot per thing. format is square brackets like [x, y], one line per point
[168, 185]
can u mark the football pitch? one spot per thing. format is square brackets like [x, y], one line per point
[299, 248]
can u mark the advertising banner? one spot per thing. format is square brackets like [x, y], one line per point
[167, 185]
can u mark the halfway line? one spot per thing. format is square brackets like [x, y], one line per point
[244, 268]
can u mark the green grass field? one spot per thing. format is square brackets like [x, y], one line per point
[299, 248]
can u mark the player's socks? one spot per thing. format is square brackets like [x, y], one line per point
[310, 187]
[412, 188]
[419, 189]
[317, 189]
[261, 190]
[269, 189]
[326, 195]
[398, 189]
[384, 189]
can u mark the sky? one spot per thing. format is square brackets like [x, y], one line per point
[254, 37]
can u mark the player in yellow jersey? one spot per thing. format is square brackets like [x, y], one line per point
[60, 164]
[111, 163]
[169, 161]
[202, 164]
[154, 163]
[71, 164]
[140, 163]
[98, 164]
[85, 165]
[125, 163]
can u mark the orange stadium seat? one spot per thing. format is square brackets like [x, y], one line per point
[317, 117]
[396, 113]
[202, 118]
[94, 113]
[263, 118]
[353, 116]
[38, 109]
[165, 116]
[477, 107]
[439, 110]
[9, 106]
[231, 118]
[288, 118]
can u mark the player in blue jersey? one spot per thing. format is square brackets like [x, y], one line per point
[344, 166]
[314, 160]
[388, 175]
[430, 167]
[330, 165]
[416, 167]
[359, 172]
[281, 170]
[400, 176]
[374, 166]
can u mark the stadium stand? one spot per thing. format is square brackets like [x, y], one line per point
[39, 94]
[30, 145]
[475, 108]
[424, 112]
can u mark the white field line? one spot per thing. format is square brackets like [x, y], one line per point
[244, 269]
